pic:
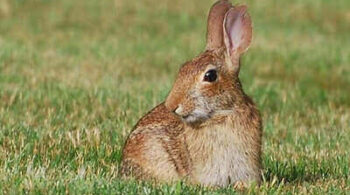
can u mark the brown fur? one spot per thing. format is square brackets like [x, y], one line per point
[207, 133]
[214, 29]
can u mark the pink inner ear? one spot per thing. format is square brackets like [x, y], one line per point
[235, 32]
[238, 29]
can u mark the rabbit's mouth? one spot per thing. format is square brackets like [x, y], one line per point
[195, 117]
[198, 117]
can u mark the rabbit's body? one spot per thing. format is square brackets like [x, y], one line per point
[219, 152]
[208, 131]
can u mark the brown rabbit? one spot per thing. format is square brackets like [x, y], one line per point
[208, 131]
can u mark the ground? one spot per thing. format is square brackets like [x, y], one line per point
[75, 76]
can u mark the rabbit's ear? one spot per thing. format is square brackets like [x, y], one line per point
[215, 20]
[237, 27]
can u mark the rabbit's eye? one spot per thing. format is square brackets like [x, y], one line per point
[210, 76]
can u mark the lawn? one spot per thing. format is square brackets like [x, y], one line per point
[75, 76]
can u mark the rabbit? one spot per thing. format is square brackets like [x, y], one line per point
[207, 132]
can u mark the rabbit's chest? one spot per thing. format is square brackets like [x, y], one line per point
[219, 156]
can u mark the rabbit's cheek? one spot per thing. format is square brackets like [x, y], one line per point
[187, 106]
[210, 90]
[201, 105]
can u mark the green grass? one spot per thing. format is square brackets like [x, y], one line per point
[75, 76]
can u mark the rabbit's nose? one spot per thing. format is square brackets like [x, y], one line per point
[178, 110]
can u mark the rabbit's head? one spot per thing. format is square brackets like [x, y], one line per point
[208, 84]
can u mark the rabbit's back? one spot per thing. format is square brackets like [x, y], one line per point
[156, 148]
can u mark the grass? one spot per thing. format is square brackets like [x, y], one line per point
[75, 76]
